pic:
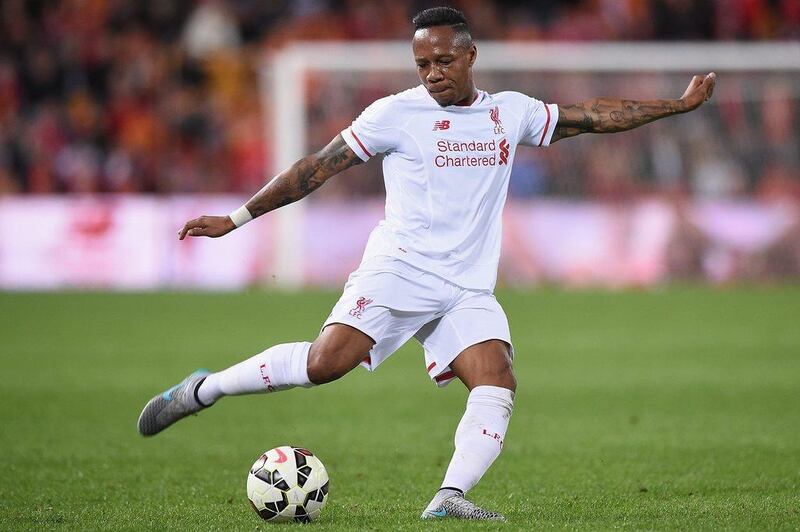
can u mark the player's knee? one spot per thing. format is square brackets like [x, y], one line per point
[508, 379]
[502, 371]
[325, 364]
[320, 369]
[338, 349]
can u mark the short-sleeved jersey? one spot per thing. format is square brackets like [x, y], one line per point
[446, 171]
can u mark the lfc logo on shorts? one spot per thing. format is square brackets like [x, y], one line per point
[494, 114]
[361, 304]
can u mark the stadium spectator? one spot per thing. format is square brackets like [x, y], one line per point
[161, 95]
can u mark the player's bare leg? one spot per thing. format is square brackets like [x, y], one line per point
[485, 369]
[485, 364]
[338, 349]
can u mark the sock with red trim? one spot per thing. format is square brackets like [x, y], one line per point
[479, 436]
[278, 368]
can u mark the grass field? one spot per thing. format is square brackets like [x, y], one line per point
[671, 410]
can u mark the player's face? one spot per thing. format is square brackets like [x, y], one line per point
[444, 65]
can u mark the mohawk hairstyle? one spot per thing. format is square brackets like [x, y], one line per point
[444, 16]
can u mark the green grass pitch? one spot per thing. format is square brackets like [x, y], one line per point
[677, 409]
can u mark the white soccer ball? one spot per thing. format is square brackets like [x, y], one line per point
[287, 484]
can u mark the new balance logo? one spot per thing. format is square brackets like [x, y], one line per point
[441, 125]
[504, 151]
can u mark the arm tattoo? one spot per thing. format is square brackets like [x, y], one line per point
[608, 115]
[303, 177]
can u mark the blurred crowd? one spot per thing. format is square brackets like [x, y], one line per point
[162, 95]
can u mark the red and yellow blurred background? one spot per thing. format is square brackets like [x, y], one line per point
[119, 120]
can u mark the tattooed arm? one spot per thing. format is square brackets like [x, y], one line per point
[303, 177]
[294, 183]
[609, 115]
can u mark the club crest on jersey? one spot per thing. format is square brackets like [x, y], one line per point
[441, 125]
[504, 151]
[361, 305]
[494, 114]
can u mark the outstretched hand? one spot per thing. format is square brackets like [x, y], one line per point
[699, 91]
[212, 226]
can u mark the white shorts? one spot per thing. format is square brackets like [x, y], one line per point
[390, 301]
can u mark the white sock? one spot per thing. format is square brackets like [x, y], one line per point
[278, 368]
[479, 436]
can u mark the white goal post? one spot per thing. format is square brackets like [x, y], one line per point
[282, 79]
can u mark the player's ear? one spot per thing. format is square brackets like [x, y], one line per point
[473, 54]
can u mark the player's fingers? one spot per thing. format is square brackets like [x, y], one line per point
[708, 84]
[184, 230]
[711, 79]
[198, 231]
[202, 227]
[188, 226]
[693, 85]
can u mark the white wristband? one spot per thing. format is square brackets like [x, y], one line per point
[240, 216]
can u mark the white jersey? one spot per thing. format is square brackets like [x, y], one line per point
[446, 171]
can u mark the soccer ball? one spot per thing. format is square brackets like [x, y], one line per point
[287, 484]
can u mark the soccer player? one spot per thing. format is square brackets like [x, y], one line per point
[429, 268]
